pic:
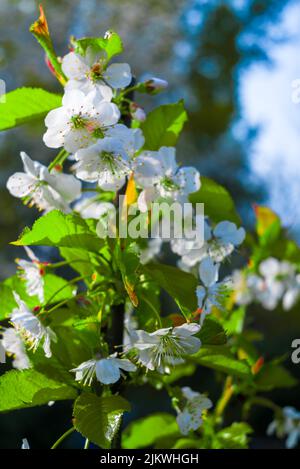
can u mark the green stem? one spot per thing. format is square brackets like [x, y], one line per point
[86, 444]
[59, 159]
[74, 280]
[154, 310]
[62, 437]
[61, 303]
[225, 398]
[262, 402]
[56, 265]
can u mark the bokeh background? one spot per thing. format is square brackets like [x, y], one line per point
[234, 63]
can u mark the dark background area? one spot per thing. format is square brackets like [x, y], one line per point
[205, 49]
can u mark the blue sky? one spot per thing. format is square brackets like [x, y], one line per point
[266, 101]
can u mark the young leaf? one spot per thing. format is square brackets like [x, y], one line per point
[29, 388]
[99, 418]
[272, 376]
[111, 44]
[220, 358]
[212, 333]
[218, 203]
[233, 437]
[179, 284]
[81, 260]
[163, 125]
[146, 431]
[24, 105]
[58, 229]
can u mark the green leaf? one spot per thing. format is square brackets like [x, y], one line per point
[111, 44]
[61, 230]
[186, 443]
[273, 376]
[29, 388]
[25, 105]
[99, 418]
[220, 358]
[7, 301]
[88, 260]
[233, 437]
[74, 346]
[235, 322]
[179, 284]
[212, 333]
[218, 203]
[163, 125]
[146, 431]
[178, 372]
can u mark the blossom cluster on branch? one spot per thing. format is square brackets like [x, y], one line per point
[89, 337]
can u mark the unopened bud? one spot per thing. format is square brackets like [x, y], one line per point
[137, 112]
[155, 85]
[40, 26]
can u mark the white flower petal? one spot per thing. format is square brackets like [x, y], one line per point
[74, 66]
[208, 272]
[118, 75]
[107, 371]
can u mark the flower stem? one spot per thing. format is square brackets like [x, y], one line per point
[154, 310]
[74, 280]
[260, 401]
[86, 444]
[62, 437]
[225, 398]
[59, 159]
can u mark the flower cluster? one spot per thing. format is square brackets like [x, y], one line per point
[287, 426]
[275, 281]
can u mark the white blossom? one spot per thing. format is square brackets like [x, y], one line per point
[288, 425]
[212, 292]
[105, 162]
[276, 280]
[226, 236]
[90, 73]
[190, 417]
[12, 344]
[164, 347]
[30, 328]
[193, 247]
[106, 370]
[242, 293]
[91, 207]
[131, 139]
[80, 121]
[46, 190]
[32, 272]
[159, 176]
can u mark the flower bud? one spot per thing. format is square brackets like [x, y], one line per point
[155, 85]
[137, 112]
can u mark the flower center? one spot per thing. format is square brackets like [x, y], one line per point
[78, 122]
[96, 72]
[168, 184]
[168, 350]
